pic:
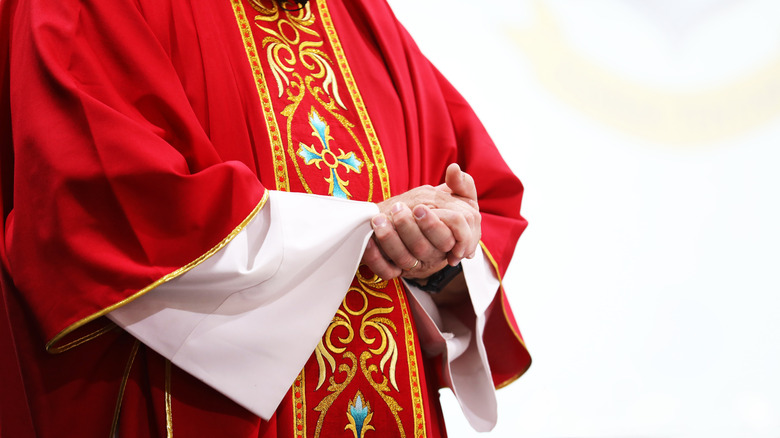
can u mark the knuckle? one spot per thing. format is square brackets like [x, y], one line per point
[383, 268]
[473, 218]
[427, 221]
[458, 250]
[429, 226]
[425, 226]
[403, 220]
[405, 261]
[383, 234]
[462, 220]
[372, 257]
[373, 264]
[419, 248]
[423, 192]
[385, 273]
[447, 244]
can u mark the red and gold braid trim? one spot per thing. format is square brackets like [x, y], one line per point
[414, 369]
[281, 177]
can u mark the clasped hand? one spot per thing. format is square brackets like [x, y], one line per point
[419, 232]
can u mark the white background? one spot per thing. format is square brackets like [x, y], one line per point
[647, 134]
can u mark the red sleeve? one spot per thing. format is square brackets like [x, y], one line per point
[500, 194]
[116, 186]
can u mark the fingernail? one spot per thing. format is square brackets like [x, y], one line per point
[397, 207]
[379, 221]
[419, 212]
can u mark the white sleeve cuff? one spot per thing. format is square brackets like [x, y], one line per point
[236, 321]
[466, 368]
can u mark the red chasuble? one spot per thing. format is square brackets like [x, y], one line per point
[139, 137]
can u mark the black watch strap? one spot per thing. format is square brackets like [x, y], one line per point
[437, 281]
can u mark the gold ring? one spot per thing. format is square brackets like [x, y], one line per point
[416, 262]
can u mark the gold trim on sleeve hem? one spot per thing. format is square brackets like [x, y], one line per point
[506, 317]
[51, 346]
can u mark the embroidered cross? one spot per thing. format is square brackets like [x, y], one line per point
[338, 187]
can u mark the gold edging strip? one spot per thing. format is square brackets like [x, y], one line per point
[87, 338]
[122, 386]
[420, 429]
[357, 99]
[512, 379]
[50, 346]
[281, 178]
[506, 317]
[168, 407]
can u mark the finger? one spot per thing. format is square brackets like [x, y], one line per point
[425, 271]
[460, 230]
[433, 197]
[412, 236]
[390, 242]
[460, 183]
[373, 258]
[436, 231]
[465, 228]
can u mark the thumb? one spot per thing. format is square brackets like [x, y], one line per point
[461, 183]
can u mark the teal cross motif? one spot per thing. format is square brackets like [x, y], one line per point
[338, 187]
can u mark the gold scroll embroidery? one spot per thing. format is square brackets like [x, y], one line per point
[291, 43]
[377, 332]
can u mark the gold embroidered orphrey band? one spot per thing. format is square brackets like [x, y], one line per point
[272, 42]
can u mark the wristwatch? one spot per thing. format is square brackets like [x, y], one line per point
[437, 281]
